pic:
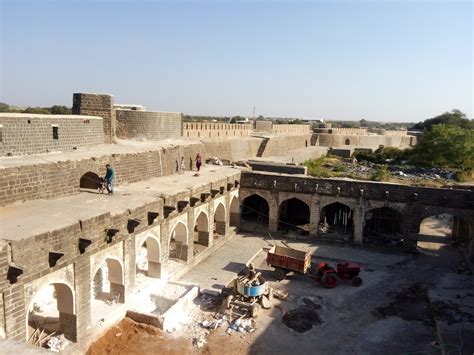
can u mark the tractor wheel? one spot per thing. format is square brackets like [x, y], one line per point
[356, 281]
[254, 310]
[228, 301]
[329, 280]
[279, 273]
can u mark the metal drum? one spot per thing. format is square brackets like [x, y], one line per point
[249, 290]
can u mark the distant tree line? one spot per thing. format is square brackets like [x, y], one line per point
[53, 110]
[447, 141]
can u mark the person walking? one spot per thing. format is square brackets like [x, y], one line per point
[182, 166]
[198, 162]
[109, 179]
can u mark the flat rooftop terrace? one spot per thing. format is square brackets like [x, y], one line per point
[23, 220]
[121, 147]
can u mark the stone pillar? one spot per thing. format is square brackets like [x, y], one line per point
[83, 282]
[203, 238]
[15, 312]
[67, 323]
[272, 216]
[129, 263]
[359, 219]
[154, 269]
[97, 105]
[313, 218]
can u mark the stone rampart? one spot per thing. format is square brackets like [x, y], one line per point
[369, 141]
[101, 105]
[24, 133]
[48, 180]
[148, 125]
[291, 129]
[201, 130]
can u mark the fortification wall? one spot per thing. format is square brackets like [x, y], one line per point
[372, 142]
[35, 134]
[239, 149]
[148, 125]
[282, 144]
[265, 126]
[101, 105]
[232, 149]
[46, 180]
[199, 130]
[291, 128]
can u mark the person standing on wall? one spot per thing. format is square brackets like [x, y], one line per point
[182, 166]
[198, 162]
[109, 179]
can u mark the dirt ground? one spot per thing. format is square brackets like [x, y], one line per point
[392, 310]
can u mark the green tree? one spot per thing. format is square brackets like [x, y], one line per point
[4, 107]
[446, 146]
[60, 110]
[453, 118]
[41, 110]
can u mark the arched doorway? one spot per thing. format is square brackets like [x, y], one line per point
[254, 211]
[201, 233]
[347, 142]
[51, 311]
[148, 260]
[294, 216]
[383, 226]
[438, 232]
[336, 219]
[179, 243]
[107, 284]
[234, 212]
[220, 226]
[90, 181]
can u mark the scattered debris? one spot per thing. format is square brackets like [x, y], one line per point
[57, 343]
[280, 294]
[199, 342]
[241, 325]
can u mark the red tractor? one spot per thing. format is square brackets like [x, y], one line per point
[328, 275]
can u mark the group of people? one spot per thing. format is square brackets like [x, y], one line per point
[182, 164]
[109, 178]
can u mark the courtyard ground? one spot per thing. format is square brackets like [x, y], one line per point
[408, 303]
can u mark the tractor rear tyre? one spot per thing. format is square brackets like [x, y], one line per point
[356, 281]
[329, 280]
[279, 273]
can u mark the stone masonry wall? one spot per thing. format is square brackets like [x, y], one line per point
[361, 141]
[33, 134]
[148, 125]
[49, 180]
[101, 105]
[215, 130]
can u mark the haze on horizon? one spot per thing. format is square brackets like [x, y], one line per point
[343, 60]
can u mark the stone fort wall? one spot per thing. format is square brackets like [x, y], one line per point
[201, 130]
[362, 141]
[35, 134]
[148, 125]
[101, 105]
[46, 180]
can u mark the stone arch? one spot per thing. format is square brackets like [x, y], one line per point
[347, 141]
[234, 214]
[108, 281]
[220, 220]
[47, 317]
[201, 231]
[255, 209]
[383, 225]
[178, 242]
[336, 219]
[90, 180]
[294, 214]
[148, 258]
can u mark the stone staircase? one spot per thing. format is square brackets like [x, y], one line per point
[262, 147]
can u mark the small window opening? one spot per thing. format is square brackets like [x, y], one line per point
[1, 133]
[55, 132]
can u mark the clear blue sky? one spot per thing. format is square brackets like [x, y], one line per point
[378, 60]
